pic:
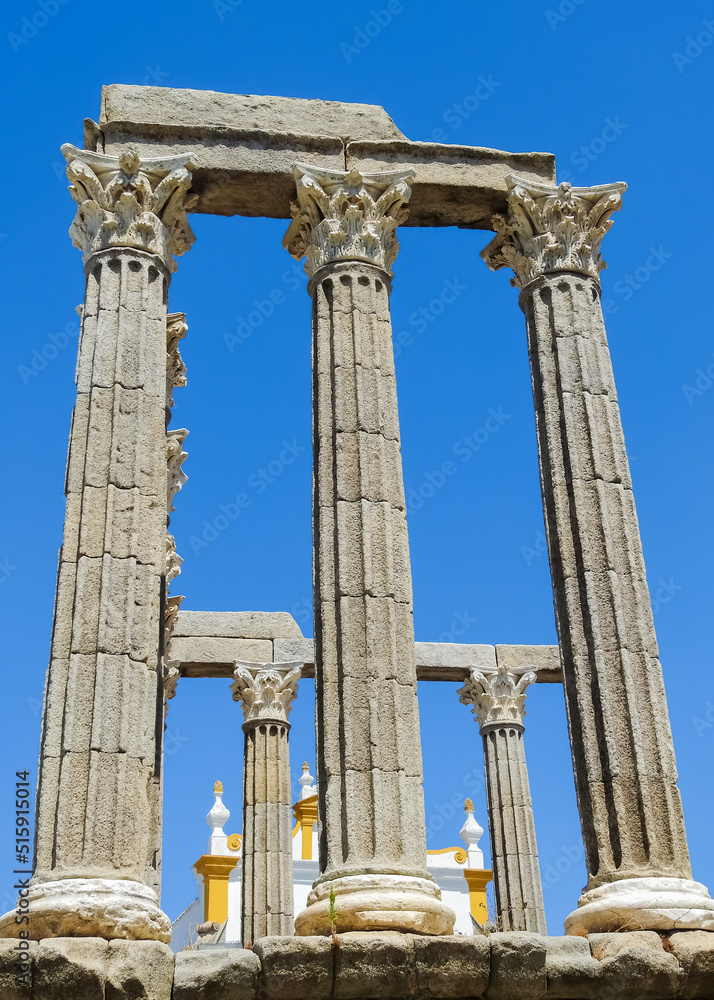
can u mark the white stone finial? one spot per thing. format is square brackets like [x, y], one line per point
[497, 695]
[265, 690]
[306, 781]
[216, 819]
[552, 228]
[345, 215]
[471, 832]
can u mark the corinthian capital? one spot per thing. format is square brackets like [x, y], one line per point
[265, 690]
[347, 216]
[552, 228]
[175, 457]
[497, 695]
[127, 202]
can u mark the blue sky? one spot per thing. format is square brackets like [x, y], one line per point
[616, 96]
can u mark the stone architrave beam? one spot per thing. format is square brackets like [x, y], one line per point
[243, 149]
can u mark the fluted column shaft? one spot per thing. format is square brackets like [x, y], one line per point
[266, 692]
[497, 698]
[621, 742]
[98, 817]
[514, 852]
[373, 837]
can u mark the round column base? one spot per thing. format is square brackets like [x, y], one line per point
[89, 907]
[377, 903]
[643, 904]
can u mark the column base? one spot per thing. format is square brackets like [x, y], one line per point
[643, 904]
[377, 903]
[90, 907]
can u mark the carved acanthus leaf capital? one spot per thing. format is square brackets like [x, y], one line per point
[175, 457]
[265, 690]
[176, 330]
[173, 559]
[497, 695]
[552, 228]
[124, 201]
[345, 215]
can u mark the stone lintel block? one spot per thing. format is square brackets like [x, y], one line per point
[544, 659]
[70, 967]
[454, 966]
[230, 974]
[296, 651]
[139, 969]
[572, 972]
[370, 964]
[243, 148]
[694, 950]
[454, 185]
[518, 966]
[635, 963]
[201, 656]
[238, 624]
[451, 660]
[295, 968]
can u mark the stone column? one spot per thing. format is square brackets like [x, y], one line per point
[623, 757]
[266, 692]
[97, 823]
[497, 696]
[373, 839]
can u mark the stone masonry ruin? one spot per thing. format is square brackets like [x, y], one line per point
[346, 177]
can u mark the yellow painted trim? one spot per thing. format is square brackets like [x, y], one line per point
[477, 879]
[234, 842]
[305, 812]
[459, 853]
[216, 870]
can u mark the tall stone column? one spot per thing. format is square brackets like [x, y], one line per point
[266, 692]
[101, 746]
[373, 838]
[623, 757]
[497, 696]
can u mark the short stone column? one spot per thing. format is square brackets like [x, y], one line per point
[266, 692]
[369, 771]
[98, 808]
[497, 696]
[623, 757]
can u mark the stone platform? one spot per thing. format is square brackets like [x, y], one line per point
[359, 966]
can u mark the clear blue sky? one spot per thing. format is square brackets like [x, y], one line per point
[617, 92]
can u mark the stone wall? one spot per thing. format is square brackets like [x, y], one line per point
[512, 965]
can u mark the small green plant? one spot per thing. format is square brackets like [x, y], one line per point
[332, 913]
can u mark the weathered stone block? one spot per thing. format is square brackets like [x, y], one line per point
[295, 968]
[70, 968]
[694, 950]
[230, 974]
[139, 970]
[374, 965]
[11, 987]
[634, 964]
[518, 966]
[571, 971]
[453, 966]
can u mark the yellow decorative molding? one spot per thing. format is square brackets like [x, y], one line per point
[477, 879]
[216, 870]
[459, 853]
[218, 788]
[305, 812]
[234, 841]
